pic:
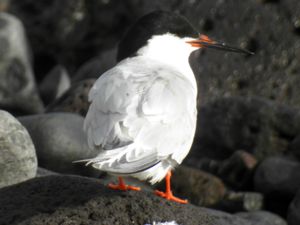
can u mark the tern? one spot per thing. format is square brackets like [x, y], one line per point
[143, 113]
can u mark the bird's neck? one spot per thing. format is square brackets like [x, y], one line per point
[172, 51]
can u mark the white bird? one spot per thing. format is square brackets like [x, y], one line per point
[143, 112]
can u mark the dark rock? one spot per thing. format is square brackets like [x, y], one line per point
[79, 30]
[199, 187]
[41, 172]
[279, 179]
[56, 82]
[59, 140]
[236, 171]
[278, 175]
[77, 200]
[18, 159]
[74, 100]
[259, 126]
[294, 147]
[293, 217]
[18, 92]
[240, 202]
[96, 66]
[263, 218]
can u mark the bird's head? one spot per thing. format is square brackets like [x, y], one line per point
[167, 31]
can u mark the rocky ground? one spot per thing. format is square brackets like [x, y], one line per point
[244, 165]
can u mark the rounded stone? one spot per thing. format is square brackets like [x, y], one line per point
[59, 141]
[18, 158]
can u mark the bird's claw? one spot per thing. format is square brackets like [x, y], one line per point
[123, 187]
[169, 196]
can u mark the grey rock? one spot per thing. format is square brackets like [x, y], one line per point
[240, 202]
[56, 82]
[293, 216]
[278, 176]
[41, 172]
[279, 179]
[75, 100]
[79, 30]
[18, 159]
[59, 140]
[96, 66]
[256, 125]
[77, 200]
[17, 84]
[262, 218]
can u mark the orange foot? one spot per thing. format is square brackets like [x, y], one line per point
[168, 194]
[122, 186]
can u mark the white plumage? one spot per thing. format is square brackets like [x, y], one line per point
[142, 116]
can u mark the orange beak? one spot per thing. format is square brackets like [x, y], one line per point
[205, 42]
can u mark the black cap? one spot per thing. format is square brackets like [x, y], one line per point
[155, 23]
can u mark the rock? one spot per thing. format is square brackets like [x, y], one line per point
[41, 172]
[293, 216]
[263, 218]
[77, 200]
[199, 187]
[236, 171]
[96, 66]
[17, 84]
[56, 82]
[240, 202]
[59, 140]
[4, 5]
[79, 29]
[279, 179]
[74, 100]
[294, 147]
[278, 176]
[256, 125]
[18, 159]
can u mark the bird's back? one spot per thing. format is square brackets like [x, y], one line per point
[142, 112]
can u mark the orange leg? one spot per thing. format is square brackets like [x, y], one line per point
[168, 194]
[122, 186]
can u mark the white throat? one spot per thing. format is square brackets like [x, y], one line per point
[171, 50]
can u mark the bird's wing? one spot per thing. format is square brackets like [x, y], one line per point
[139, 118]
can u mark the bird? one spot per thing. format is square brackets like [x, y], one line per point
[143, 112]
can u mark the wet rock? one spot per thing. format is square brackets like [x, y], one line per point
[293, 217]
[240, 202]
[18, 159]
[59, 140]
[263, 218]
[74, 100]
[18, 92]
[78, 200]
[56, 82]
[199, 187]
[236, 171]
[259, 126]
[96, 66]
